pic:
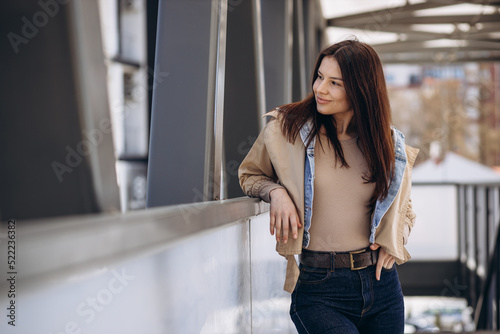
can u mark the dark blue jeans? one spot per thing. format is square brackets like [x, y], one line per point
[346, 301]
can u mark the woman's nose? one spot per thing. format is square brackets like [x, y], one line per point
[321, 87]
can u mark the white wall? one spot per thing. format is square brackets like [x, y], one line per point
[435, 234]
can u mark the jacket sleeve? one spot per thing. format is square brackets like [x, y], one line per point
[410, 216]
[256, 172]
[409, 221]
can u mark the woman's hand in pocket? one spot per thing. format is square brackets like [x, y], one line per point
[385, 260]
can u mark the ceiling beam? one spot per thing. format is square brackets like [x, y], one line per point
[477, 43]
[435, 59]
[414, 34]
[480, 2]
[424, 46]
[385, 15]
[452, 19]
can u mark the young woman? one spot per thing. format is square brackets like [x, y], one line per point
[338, 177]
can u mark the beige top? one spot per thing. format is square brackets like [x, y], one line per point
[341, 217]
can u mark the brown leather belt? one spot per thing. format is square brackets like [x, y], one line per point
[354, 260]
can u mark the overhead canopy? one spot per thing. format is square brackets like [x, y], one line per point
[432, 31]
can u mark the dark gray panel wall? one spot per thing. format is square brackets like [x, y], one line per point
[299, 77]
[39, 120]
[240, 99]
[178, 121]
[312, 20]
[274, 41]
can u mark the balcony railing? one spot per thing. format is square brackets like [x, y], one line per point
[203, 267]
[479, 247]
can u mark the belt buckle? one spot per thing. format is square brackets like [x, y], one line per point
[352, 259]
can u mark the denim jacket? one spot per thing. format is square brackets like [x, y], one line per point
[273, 158]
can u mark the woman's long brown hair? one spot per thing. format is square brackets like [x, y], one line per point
[364, 83]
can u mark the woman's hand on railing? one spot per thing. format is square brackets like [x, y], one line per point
[283, 215]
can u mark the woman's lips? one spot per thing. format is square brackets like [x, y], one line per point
[321, 101]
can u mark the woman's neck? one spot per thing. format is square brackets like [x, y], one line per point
[341, 135]
[345, 128]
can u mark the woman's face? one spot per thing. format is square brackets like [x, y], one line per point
[329, 91]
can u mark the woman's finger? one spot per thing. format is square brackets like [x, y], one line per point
[272, 223]
[278, 227]
[294, 224]
[378, 270]
[384, 261]
[380, 261]
[285, 227]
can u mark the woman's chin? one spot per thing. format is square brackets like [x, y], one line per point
[323, 112]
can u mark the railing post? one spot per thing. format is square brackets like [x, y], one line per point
[497, 287]
[484, 305]
[489, 294]
[471, 241]
[462, 235]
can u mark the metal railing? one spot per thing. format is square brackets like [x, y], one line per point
[62, 248]
[479, 221]
[218, 254]
[207, 267]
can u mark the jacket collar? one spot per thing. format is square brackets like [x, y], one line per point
[398, 139]
[304, 133]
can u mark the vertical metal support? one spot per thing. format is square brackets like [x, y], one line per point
[274, 36]
[487, 219]
[482, 222]
[497, 263]
[495, 254]
[487, 286]
[288, 47]
[214, 147]
[259, 62]
[241, 99]
[209, 165]
[484, 308]
[93, 100]
[487, 256]
[313, 22]
[477, 286]
[299, 52]
[477, 281]
[462, 234]
[471, 264]
[184, 71]
[497, 285]
[219, 169]
[309, 48]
